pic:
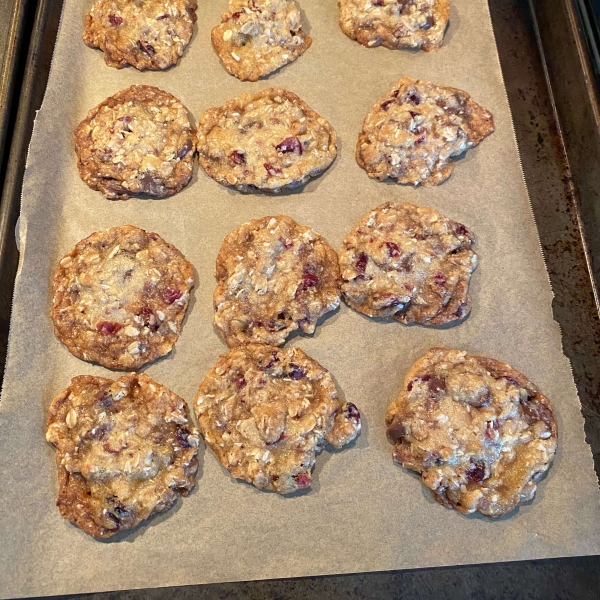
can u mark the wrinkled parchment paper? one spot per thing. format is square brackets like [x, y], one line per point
[364, 512]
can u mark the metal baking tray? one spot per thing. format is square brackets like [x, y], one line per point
[551, 89]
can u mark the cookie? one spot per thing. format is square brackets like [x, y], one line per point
[266, 412]
[139, 141]
[269, 141]
[257, 37]
[126, 450]
[147, 34]
[409, 263]
[416, 24]
[480, 433]
[119, 297]
[413, 132]
[274, 277]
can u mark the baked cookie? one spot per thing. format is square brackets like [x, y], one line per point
[269, 141]
[147, 34]
[266, 412]
[257, 37]
[139, 141]
[274, 277]
[409, 263]
[126, 450]
[119, 297]
[479, 432]
[412, 133]
[417, 24]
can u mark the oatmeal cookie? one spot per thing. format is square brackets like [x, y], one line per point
[479, 432]
[417, 24]
[257, 37]
[274, 277]
[119, 297]
[139, 141]
[409, 263]
[126, 450]
[269, 141]
[266, 412]
[412, 133]
[147, 34]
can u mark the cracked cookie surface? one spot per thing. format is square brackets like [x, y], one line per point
[413, 132]
[274, 277]
[138, 142]
[269, 141]
[257, 37]
[266, 412]
[126, 450]
[409, 263]
[147, 34]
[416, 24]
[119, 297]
[479, 432]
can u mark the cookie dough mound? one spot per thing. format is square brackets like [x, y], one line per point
[257, 37]
[412, 133]
[139, 141]
[126, 450]
[274, 277]
[266, 412]
[147, 34]
[269, 141]
[119, 297]
[417, 24]
[479, 432]
[409, 263]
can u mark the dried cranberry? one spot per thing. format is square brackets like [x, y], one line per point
[428, 23]
[352, 413]
[148, 318]
[108, 448]
[170, 294]
[296, 372]
[125, 119]
[386, 105]
[309, 277]
[273, 325]
[439, 279]
[287, 244]
[279, 439]
[182, 436]
[303, 480]
[377, 2]
[115, 20]
[461, 230]
[476, 472]
[108, 328]
[393, 249]
[236, 15]
[146, 47]
[491, 426]
[421, 139]
[272, 360]
[240, 382]
[361, 263]
[104, 401]
[414, 98]
[237, 158]
[290, 144]
[413, 114]
[272, 170]
[162, 17]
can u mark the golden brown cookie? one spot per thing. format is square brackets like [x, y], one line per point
[480, 433]
[413, 132]
[119, 297]
[269, 141]
[274, 277]
[147, 34]
[126, 450]
[257, 37]
[266, 412]
[409, 263]
[416, 24]
[139, 141]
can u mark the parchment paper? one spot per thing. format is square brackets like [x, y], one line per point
[364, 512]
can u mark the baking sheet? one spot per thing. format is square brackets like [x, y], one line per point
[364, 512]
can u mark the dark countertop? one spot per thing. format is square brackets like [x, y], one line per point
[554, 197]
